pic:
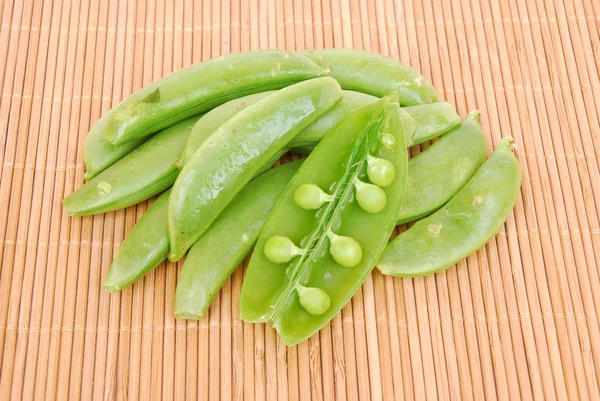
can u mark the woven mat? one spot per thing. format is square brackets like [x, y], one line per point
[517, 320]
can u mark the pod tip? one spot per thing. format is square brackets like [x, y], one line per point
[475, 115]
[111, 287]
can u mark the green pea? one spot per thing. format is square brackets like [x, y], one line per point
[345, 250]
[280, 249]
[473, 216]
[371, 198]
[375, 74]
[381, 172]
[314, 300]
[239, 150]
[310, 196]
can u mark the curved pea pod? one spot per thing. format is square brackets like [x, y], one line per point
[330, 225]
[439, 172]
[473, 216]
[239, 149]
[428, 120]
[218, 252]
[201, 87]
[98, 153]
[143, 173]
[212, 120]
[144, 247]
[433, 120]
[375, 74]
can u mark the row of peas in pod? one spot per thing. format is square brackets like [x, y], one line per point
[206, 138]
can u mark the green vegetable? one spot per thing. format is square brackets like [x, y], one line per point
[375, 74]
[145, 172]
[473, 216]
[203, 86]
[330, 250]
[98, 153]
[216, 254]
[239, 149]
[144, 247]
[438, 173]
[212, 120]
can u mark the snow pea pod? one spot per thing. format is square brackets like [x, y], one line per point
[212, 120]
[433, 120]
[375, 74]
[144, 247]
[429, 120]
[201, 87]
[473, 216]
[330, 225]
[438, 173]
[98, 153]
[217, 253]
[239, 149]
[143, 173]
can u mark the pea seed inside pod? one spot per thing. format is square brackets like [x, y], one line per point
[280, 249]
[370, 198]
[310, 197]
[314, 300]
[380, 171]
[345, 250]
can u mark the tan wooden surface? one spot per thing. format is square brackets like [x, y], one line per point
[517, 320]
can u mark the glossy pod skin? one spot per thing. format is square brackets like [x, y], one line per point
[212, 120]
[98, 153]
[219, 251]
[240, 149]
[144, 247]
[473, 216]
[428, 120]
[319, 243]
[375, 74]
[201, 87]
[143, 173]
[439, 172]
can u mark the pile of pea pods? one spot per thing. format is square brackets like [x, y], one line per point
[207, 137]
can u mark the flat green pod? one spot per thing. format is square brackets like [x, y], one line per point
[143, 173]
[239, 150]
[469, 220]
[440, 171]
[330, 225]
[375, 75]
[203, 86]
[220, 250]
[144, 247]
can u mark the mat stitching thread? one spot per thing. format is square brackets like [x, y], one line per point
[353, 321]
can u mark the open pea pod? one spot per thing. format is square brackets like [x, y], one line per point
[239, 150]
[441, 170]
[201, 87]
[375, 74]
[330, 225]
[473, 216]
[143, 173]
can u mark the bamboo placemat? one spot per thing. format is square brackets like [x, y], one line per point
[517, 320]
